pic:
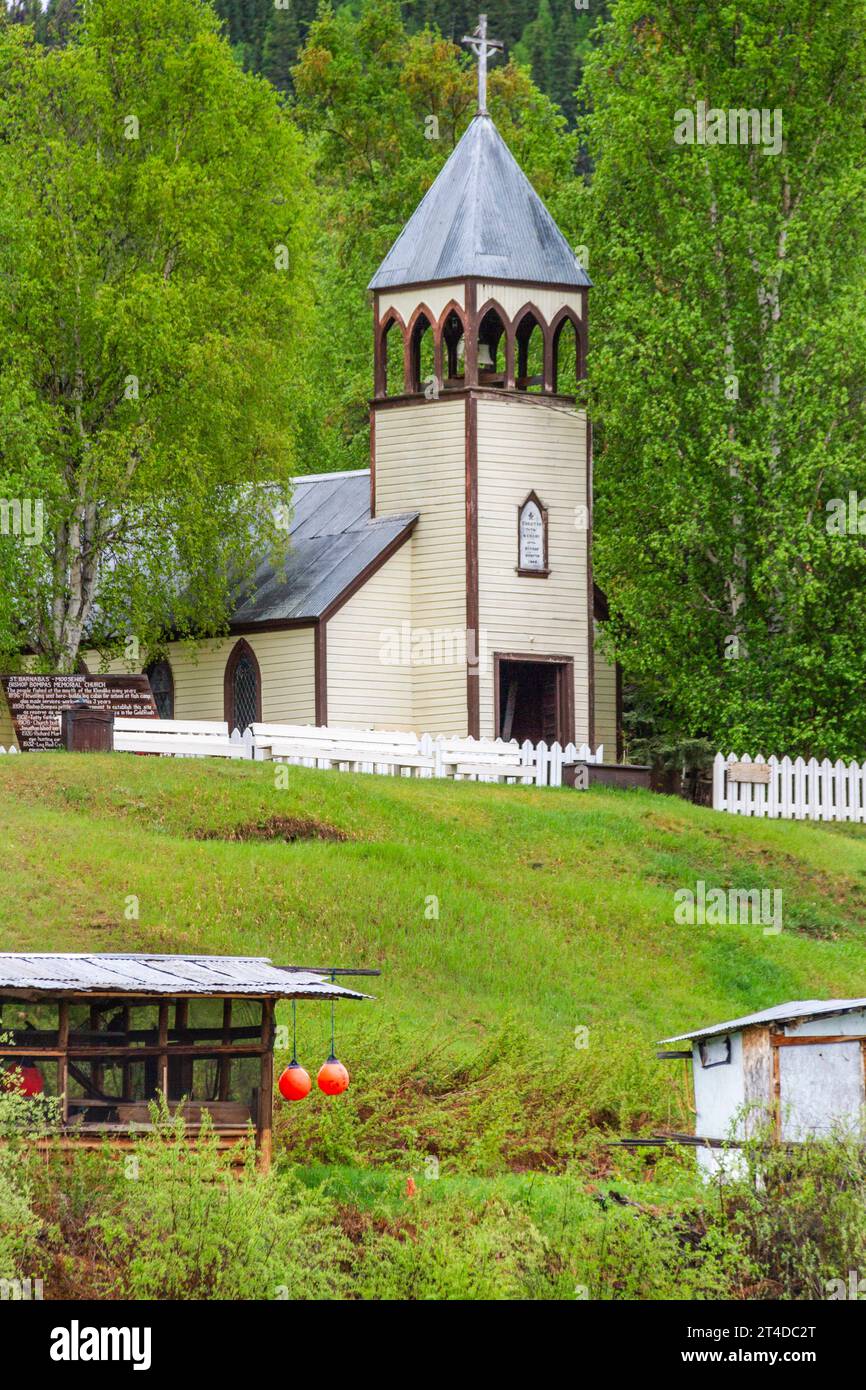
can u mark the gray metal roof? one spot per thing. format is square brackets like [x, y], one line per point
[55, 973]
[333, 540]
[780, 1013]
[481, 217]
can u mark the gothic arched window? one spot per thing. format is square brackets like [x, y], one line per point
[491, 349]
[392, 358]
[242, 688]
[567, 366]
[452, 349]
[530, 354]
[159, 674]
[421, 356]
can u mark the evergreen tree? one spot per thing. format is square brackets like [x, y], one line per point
[280, 49]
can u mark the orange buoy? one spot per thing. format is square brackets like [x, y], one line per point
[295, 1083]
[333, 1078]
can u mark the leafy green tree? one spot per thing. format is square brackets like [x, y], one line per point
[153, 306]
[729, 365]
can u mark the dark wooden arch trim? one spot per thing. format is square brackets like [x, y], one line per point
[393, 318]
[439, 344]
[508, 334]
[452, 307]
[566, 689]
[240, 648]
[567, 315]
[530, 309]
[542, 573]
[412, 381]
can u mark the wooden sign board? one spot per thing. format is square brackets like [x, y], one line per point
[758, 773]
[532, 537]
[36, 703]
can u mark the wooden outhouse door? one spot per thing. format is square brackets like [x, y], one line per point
[820, 1086]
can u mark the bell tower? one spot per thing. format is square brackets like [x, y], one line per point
[480, 337]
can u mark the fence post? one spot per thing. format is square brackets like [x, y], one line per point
[719, 782]
[554, 778]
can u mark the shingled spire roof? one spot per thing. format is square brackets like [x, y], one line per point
[481, 217]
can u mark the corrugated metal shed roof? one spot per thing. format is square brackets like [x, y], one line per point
[333, 540]
[480, 217]
[780, 1013]
[54, 973]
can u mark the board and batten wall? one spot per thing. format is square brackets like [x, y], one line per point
[286, 660]
[365, 687]
[420, 454]
[528, 446]
[605, 705]
[7, 728]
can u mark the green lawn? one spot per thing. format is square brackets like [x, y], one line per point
[555, 913]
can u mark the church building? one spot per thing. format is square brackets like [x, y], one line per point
[447, 589]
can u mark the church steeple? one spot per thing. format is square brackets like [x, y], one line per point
[480, 283]
[480, 314]
[481, 217]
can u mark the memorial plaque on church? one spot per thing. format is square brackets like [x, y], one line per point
[37, 702]
[532, 537]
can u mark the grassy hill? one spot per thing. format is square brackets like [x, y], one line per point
[555, 913]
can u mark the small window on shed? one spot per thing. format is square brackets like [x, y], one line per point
[715, 1052]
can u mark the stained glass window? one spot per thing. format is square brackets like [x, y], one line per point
[162, 685]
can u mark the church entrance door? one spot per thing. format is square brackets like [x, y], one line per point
[534, 698]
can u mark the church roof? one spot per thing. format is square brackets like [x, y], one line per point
[481, 217]
[334, 540]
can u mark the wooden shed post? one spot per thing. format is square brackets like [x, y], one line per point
[163, 1053]
[266, 1087]
[63, 1059]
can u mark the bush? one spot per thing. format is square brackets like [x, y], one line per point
[801, 1214]
[181, 1224]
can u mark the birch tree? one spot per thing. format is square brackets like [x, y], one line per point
[152, 312]
[728, 249]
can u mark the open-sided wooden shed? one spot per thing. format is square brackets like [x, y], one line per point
[107, 1034]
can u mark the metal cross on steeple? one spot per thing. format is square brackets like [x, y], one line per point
[481, 46]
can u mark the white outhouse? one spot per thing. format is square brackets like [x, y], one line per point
[798, 1067]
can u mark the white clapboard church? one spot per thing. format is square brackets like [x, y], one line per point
[447, 589]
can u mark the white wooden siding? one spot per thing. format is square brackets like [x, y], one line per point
[526, 445]
[286, 660]
[364, 690]
[421, 466]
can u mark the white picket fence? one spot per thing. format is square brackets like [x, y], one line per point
[790, 789]
[398, 753]
[389, 753]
